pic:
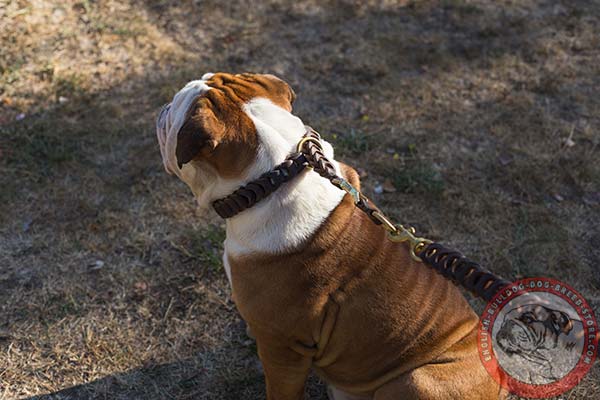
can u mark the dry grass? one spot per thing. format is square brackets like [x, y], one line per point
[111, 285]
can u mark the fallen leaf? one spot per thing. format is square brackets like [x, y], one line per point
[388, 186]
[96, 265]
[558, 197]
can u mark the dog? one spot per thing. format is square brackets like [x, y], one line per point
[317, 282]
[542, 344]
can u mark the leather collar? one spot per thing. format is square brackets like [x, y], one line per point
[260, 188]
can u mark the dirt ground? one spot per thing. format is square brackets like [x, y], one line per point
[479, 119]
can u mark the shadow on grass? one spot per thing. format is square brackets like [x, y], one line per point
[166, 381]
[199, 377]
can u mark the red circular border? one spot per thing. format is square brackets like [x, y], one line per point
[515, 386]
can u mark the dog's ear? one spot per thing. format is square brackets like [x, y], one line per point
[275, 89]
[282, 89]
[200, 133]
[562, 321]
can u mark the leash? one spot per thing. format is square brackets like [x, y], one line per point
[449, 263]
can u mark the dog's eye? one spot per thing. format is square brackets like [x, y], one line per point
[527, 318]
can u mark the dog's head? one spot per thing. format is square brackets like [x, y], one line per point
[225, 128]
[530, 327]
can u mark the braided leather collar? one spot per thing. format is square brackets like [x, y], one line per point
[260, 188]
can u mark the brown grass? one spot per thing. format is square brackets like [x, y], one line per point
[110, 283]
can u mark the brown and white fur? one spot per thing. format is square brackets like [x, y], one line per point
[317, 282]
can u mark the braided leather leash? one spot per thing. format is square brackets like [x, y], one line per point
[309, 154]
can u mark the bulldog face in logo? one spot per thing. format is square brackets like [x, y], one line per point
[540, 344]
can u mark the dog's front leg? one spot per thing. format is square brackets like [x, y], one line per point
[285, 369]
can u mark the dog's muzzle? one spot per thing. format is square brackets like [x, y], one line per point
[161, 133]
[161, 121]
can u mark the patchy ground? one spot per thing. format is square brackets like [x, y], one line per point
[480, 119]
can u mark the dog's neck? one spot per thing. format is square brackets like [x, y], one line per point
[292, 214]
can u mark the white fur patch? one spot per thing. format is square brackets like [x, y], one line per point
[292, 214]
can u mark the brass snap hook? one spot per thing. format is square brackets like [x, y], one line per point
[348, 188]
[416, 244]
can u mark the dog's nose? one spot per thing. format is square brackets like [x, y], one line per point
[162, 116]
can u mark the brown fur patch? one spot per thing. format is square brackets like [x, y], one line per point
[218, 130]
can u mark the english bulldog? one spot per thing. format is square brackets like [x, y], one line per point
[317, 282]
[541, 344]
